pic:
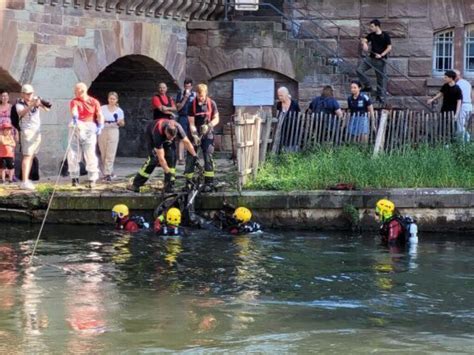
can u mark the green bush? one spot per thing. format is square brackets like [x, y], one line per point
[318, 169]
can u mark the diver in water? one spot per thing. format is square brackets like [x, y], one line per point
[125, 222]
[236, 222]
[170, 225]
[395, 229]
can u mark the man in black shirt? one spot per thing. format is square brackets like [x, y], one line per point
[380, 46]
[451, 93]
[161, 136]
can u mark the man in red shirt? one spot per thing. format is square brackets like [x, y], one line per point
[87, 123]
[163, 105]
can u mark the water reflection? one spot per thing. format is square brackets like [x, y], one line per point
[112, 292]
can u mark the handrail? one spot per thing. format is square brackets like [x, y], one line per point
[313, 36]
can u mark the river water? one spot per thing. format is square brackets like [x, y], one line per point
[92, 290]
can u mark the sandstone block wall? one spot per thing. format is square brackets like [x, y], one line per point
[54, 47]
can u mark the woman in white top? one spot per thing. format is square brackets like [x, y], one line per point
[108, 140]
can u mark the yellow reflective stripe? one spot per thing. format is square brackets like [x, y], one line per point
[208, 174]
[189, 175]
[173, 171]
[142, 172]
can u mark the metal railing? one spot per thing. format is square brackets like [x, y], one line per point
[336, 57]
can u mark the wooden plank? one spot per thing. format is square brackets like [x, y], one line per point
[380, 137]
[256, 147]
[278, 135]
[266, 136]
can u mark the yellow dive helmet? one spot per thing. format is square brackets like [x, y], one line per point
[242, 215]
[120, 211]
[385, 209]
[173, 216]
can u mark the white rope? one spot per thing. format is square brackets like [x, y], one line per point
[52, 194]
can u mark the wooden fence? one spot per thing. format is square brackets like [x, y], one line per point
[386, 131]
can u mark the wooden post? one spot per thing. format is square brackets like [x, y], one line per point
[278, 133]
[256, 146]
[265, 136]
[380, 137]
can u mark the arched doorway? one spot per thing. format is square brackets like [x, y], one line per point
[134, 78]
[221, 90]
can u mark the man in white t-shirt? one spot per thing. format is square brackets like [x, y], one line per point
[28, 109]
[466, 107]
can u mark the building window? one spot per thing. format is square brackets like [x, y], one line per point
[443, 51]
[469, 51]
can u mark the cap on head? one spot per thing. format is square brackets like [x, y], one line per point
[385, 209]
[173, 216]
[242, 215]
[27, 89]
[120, 211]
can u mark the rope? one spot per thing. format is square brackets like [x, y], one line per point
[52, 194]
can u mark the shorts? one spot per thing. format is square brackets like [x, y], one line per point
[7, 163]
[30, 141]
[359, 125]
[184, 122]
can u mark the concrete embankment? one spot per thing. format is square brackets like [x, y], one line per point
[435, 209]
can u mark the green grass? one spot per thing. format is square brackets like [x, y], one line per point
[321, 168]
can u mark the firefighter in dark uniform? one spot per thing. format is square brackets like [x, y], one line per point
[203, 117]
[162, 136]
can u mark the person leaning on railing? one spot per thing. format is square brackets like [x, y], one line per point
[360, 107]
[288, 109]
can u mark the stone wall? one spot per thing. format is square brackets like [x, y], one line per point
[219, 52]
[54, 47]
[410, 23]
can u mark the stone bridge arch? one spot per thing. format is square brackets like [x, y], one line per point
[134, 78]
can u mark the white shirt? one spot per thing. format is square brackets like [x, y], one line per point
[466, 89]
[31, 120]
[109, 116]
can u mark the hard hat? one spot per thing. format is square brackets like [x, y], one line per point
[120, 211]
[385, 209]
[242, 215]
[173, 216]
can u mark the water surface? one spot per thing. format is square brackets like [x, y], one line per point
[92, 290]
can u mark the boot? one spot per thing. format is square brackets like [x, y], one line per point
[169, 183]
[208, 184]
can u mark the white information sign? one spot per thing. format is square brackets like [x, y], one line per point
[246, 5]
[254, 92]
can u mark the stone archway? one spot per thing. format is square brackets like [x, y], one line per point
[221, 90]
[134, 78]
[8, 83]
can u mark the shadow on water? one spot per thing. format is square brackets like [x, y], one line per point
[96, 290]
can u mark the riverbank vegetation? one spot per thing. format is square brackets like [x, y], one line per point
[425, 166]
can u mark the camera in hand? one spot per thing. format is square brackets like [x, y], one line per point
[44, 102]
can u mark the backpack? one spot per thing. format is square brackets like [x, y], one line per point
[15, 119]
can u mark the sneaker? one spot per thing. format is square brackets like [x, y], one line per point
[75, 182]
[27, 186]
[91, 184]
[107, 178]
[131, 187]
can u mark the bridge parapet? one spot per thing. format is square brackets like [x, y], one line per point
[181, 10]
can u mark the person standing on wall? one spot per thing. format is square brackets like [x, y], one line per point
[380, 47]
[288, 109]
[466, 107]
[183, 103]
[203, 117]
[28, 109]
[109, 139]
[87, 123]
